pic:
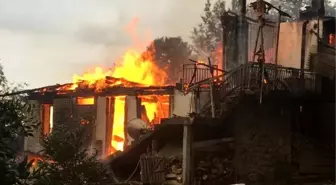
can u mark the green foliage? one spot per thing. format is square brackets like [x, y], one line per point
[206, 36]
[66, 161]
[170, 53]
[15, 122]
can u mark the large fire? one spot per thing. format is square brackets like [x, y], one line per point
[134, 66]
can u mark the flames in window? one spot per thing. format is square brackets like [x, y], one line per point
[47, 118]
[155, 108]
[85, 101]
[332, 39]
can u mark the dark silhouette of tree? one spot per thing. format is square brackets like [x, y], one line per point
[66, 160]
[15, 123]
[170, 53]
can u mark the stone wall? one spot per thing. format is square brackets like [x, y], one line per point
[262, 141]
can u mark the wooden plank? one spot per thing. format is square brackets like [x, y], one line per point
[176, 121]
[201, 144]
[116, 91]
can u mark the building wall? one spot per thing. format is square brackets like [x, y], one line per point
[97, 120]
[262, 141]
[32, 143]
[290, 39]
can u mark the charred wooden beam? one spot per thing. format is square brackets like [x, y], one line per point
[40, 89]
[113, 91]
[201, 144]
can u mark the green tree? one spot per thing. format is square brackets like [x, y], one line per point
[15, 123]
[66, 160]
[170, 53]
[207, 35]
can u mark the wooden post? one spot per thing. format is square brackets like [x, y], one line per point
[187, 153]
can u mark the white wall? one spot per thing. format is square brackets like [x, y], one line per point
[183, 104]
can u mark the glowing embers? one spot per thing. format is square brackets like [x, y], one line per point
[332, 39]
[118, 135]
[85, 101]
[34, 157]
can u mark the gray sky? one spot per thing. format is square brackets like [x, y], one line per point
[44, 42]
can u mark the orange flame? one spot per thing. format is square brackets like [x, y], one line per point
[134, 66]
[332, 39]
[118, 124]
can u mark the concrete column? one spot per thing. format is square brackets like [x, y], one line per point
[131, 112]
[101, 123]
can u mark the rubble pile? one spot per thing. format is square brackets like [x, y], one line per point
[211, 167]
[214, 169]
[174, 171]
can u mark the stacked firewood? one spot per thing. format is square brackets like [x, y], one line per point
[174, 170]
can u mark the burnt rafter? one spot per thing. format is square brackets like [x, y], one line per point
[111, 87]
[111, 91]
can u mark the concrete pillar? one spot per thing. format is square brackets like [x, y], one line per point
[131, 112]
[101, 123]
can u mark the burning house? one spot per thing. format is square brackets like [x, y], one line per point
[106, 106]
[259, 126]
[114, 105]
